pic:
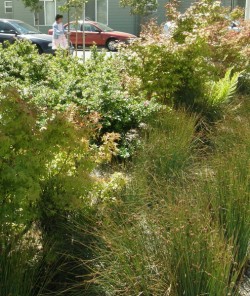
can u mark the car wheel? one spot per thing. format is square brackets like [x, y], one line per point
[112, 44]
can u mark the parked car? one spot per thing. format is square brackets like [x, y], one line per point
[96, 33]
[11, 30]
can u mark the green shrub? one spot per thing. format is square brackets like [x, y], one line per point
[199, 15]
[179, 70]
[174, 74]
[224, 89]
[219, 95]
[63, 83]
[45, 174]
[33, 159]
[181, 225]
[210, 21]
[163, 69]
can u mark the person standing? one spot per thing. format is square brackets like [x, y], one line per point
[59, 40]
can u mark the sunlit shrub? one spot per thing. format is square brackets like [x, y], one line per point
[62, 83]
[211, 21]
[180, 68]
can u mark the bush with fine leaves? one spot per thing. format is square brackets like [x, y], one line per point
[46, 176]
[182, 68]
[64, 83]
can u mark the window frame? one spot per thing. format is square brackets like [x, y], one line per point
[96, 12]
[44, 10]
[8, 6]
[93, 28]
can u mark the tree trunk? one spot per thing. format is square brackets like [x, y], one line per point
[83, 33]
[37, 20]
[76, 45]
[68, 37]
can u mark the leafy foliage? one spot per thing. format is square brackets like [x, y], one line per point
[34, 5]
[164, 70]
[47, 174]
[177, 223]
[60, 120]
[210, 21]
[179, 69]
[46, 166]
[141, 7]
[223, 90]
[62, 83]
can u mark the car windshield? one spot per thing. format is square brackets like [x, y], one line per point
[104, 28]
[23, 28]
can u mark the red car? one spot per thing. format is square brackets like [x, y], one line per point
[96, 33]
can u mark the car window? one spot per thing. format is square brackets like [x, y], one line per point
[73, 27]
[104, 27]
[90, 28]
[24, 28]
[5, 28]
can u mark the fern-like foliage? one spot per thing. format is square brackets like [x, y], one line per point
[223, 90]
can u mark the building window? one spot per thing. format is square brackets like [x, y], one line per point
[46, 15]
[102, 11]
[8, 7]
[97, 10]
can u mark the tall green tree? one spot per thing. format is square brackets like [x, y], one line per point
[140, 7]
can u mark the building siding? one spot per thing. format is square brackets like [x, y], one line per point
[160, 14]
[120, 18]
[19, 12]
